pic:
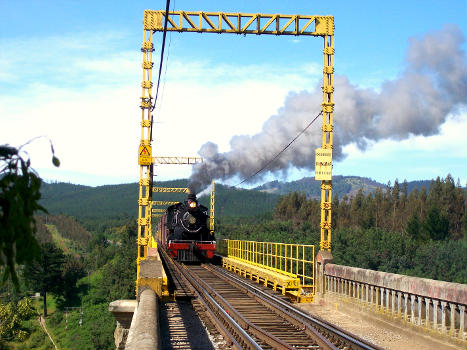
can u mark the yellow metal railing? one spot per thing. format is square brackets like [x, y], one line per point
[295, 260]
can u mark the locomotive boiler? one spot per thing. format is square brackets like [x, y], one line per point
[183, 231]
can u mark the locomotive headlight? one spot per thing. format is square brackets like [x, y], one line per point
[192, 204]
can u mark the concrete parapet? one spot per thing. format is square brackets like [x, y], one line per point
[144, 330]
[435, 306]
[323, 258]
[451, 292]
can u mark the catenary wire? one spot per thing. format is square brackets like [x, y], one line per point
[282, 151]
[164, 34]
[165, 70]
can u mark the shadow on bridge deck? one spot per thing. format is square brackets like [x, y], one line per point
[372, 327]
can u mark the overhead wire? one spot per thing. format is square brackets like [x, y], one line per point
[164, 34]
[166, 65]
[282, 151]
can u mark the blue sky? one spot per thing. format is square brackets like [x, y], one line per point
[71, 70]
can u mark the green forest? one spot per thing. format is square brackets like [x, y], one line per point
[390, 230]
[88, 249]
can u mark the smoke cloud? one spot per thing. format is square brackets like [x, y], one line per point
[433, 84]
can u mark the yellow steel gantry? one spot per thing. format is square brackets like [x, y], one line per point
[272, 24]
[238, 23]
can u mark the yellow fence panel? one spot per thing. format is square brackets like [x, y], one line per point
[294, 260]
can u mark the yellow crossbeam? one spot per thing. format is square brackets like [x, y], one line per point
[176, 160]
[238, 23]
[171, 190]
[157, 210]
[164, 202]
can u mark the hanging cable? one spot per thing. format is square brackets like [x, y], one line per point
[164, 34]
[166, 64]
[278, 154]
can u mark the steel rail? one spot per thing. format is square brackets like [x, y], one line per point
[214, 310]
[260, 333]
[321, 340]
[315, 323]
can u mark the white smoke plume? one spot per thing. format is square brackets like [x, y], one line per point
[433, 84]
[206, 192]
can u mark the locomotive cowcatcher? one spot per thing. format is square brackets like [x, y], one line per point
[184, 233]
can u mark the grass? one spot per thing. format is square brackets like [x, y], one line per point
[59, 241]
[37, 338]
[51, 305]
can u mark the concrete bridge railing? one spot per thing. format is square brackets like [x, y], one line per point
[436, 306]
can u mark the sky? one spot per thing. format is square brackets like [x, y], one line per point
[71, 71]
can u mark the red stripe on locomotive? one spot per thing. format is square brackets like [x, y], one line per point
[209, 248]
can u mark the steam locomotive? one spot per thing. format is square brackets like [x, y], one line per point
[183, 231]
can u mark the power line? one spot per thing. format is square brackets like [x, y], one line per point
[164, 34]
[282, 151]
[166, 65]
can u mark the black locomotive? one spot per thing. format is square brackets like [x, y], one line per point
[184, 231]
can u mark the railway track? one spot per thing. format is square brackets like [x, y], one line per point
[249, 317]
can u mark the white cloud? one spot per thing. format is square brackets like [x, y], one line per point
[83, 93]
[71, 59]
[94, 124]
[415, 158]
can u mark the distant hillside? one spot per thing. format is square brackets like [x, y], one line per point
[93, 202]
[67, 233]
[342, 185]
[104, 206]
[241, 202]
[120, 201]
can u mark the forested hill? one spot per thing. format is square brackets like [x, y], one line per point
[341, 185]
[120, 201]
[116, 203]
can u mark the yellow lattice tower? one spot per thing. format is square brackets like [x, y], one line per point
[323, 156]
[145, 153]
[211, 210]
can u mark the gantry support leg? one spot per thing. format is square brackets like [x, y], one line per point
[327, 141]
[145, 153]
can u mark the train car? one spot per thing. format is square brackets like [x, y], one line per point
[183, 231]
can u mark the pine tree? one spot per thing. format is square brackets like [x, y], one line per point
[45, 275]
[436, 225]
[414, 227]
